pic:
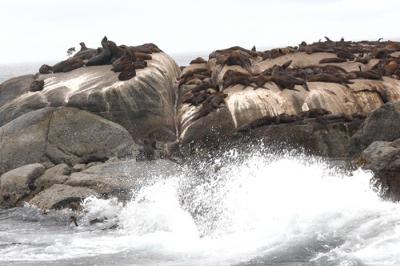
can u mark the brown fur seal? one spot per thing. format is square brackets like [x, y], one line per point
[332, 60]
[260, 80]
[45, 69]
[142, 56]
[324, 77]
[217, 99]
[199, 98]
[231, 78]
[193, 74]
[85, 53]
[286, 64]
[153, 48]
[83, 47]
[194, 81]
[198, 60]
[139, 64]
[37, 85]
[124, 62]
[231, 49]
[391, 67]
[68, 65]
[103, 57]
[116, 52]
[285, 81]
[370, 74]
[345, 54]
[127, 74]
[201, 87]
[236, 58]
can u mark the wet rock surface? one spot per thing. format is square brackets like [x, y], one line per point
[61, 196]
[383, 158]
[383, 124]
[18, 183]
[100, 120]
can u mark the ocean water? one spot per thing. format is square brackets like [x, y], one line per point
[253, 208]
[11, 70]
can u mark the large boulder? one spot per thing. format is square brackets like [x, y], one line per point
[383, 158]
[381, 125]
[19, 183]
[144, 104]
[60, 135]
[13, 88]
[245, 104]
[120, 177]
[54, 175]
[61, 196]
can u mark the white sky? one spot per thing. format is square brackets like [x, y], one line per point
[40, 30]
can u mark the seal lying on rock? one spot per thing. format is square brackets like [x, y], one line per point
[85, 53]
[234, 58]
[37, 85]
[45, 69]
[68, 65]
[233, 77]
[212, 103]
[198, 60]
[102, 58]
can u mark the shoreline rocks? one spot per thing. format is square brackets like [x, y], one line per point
[86, 119]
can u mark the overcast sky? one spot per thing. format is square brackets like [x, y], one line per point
[40, 30]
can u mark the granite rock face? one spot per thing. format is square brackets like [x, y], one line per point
[18, 183]
[61, 196]
[381, 125]
[117, 178]
[245, 100]
[143, 104]
[331, 99]
[383, 158]
[60, 135]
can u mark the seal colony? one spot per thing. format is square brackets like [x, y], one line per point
[125, 60]
[312, 96]
[205, 81]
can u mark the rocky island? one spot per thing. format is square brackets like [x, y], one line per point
[94, 123]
